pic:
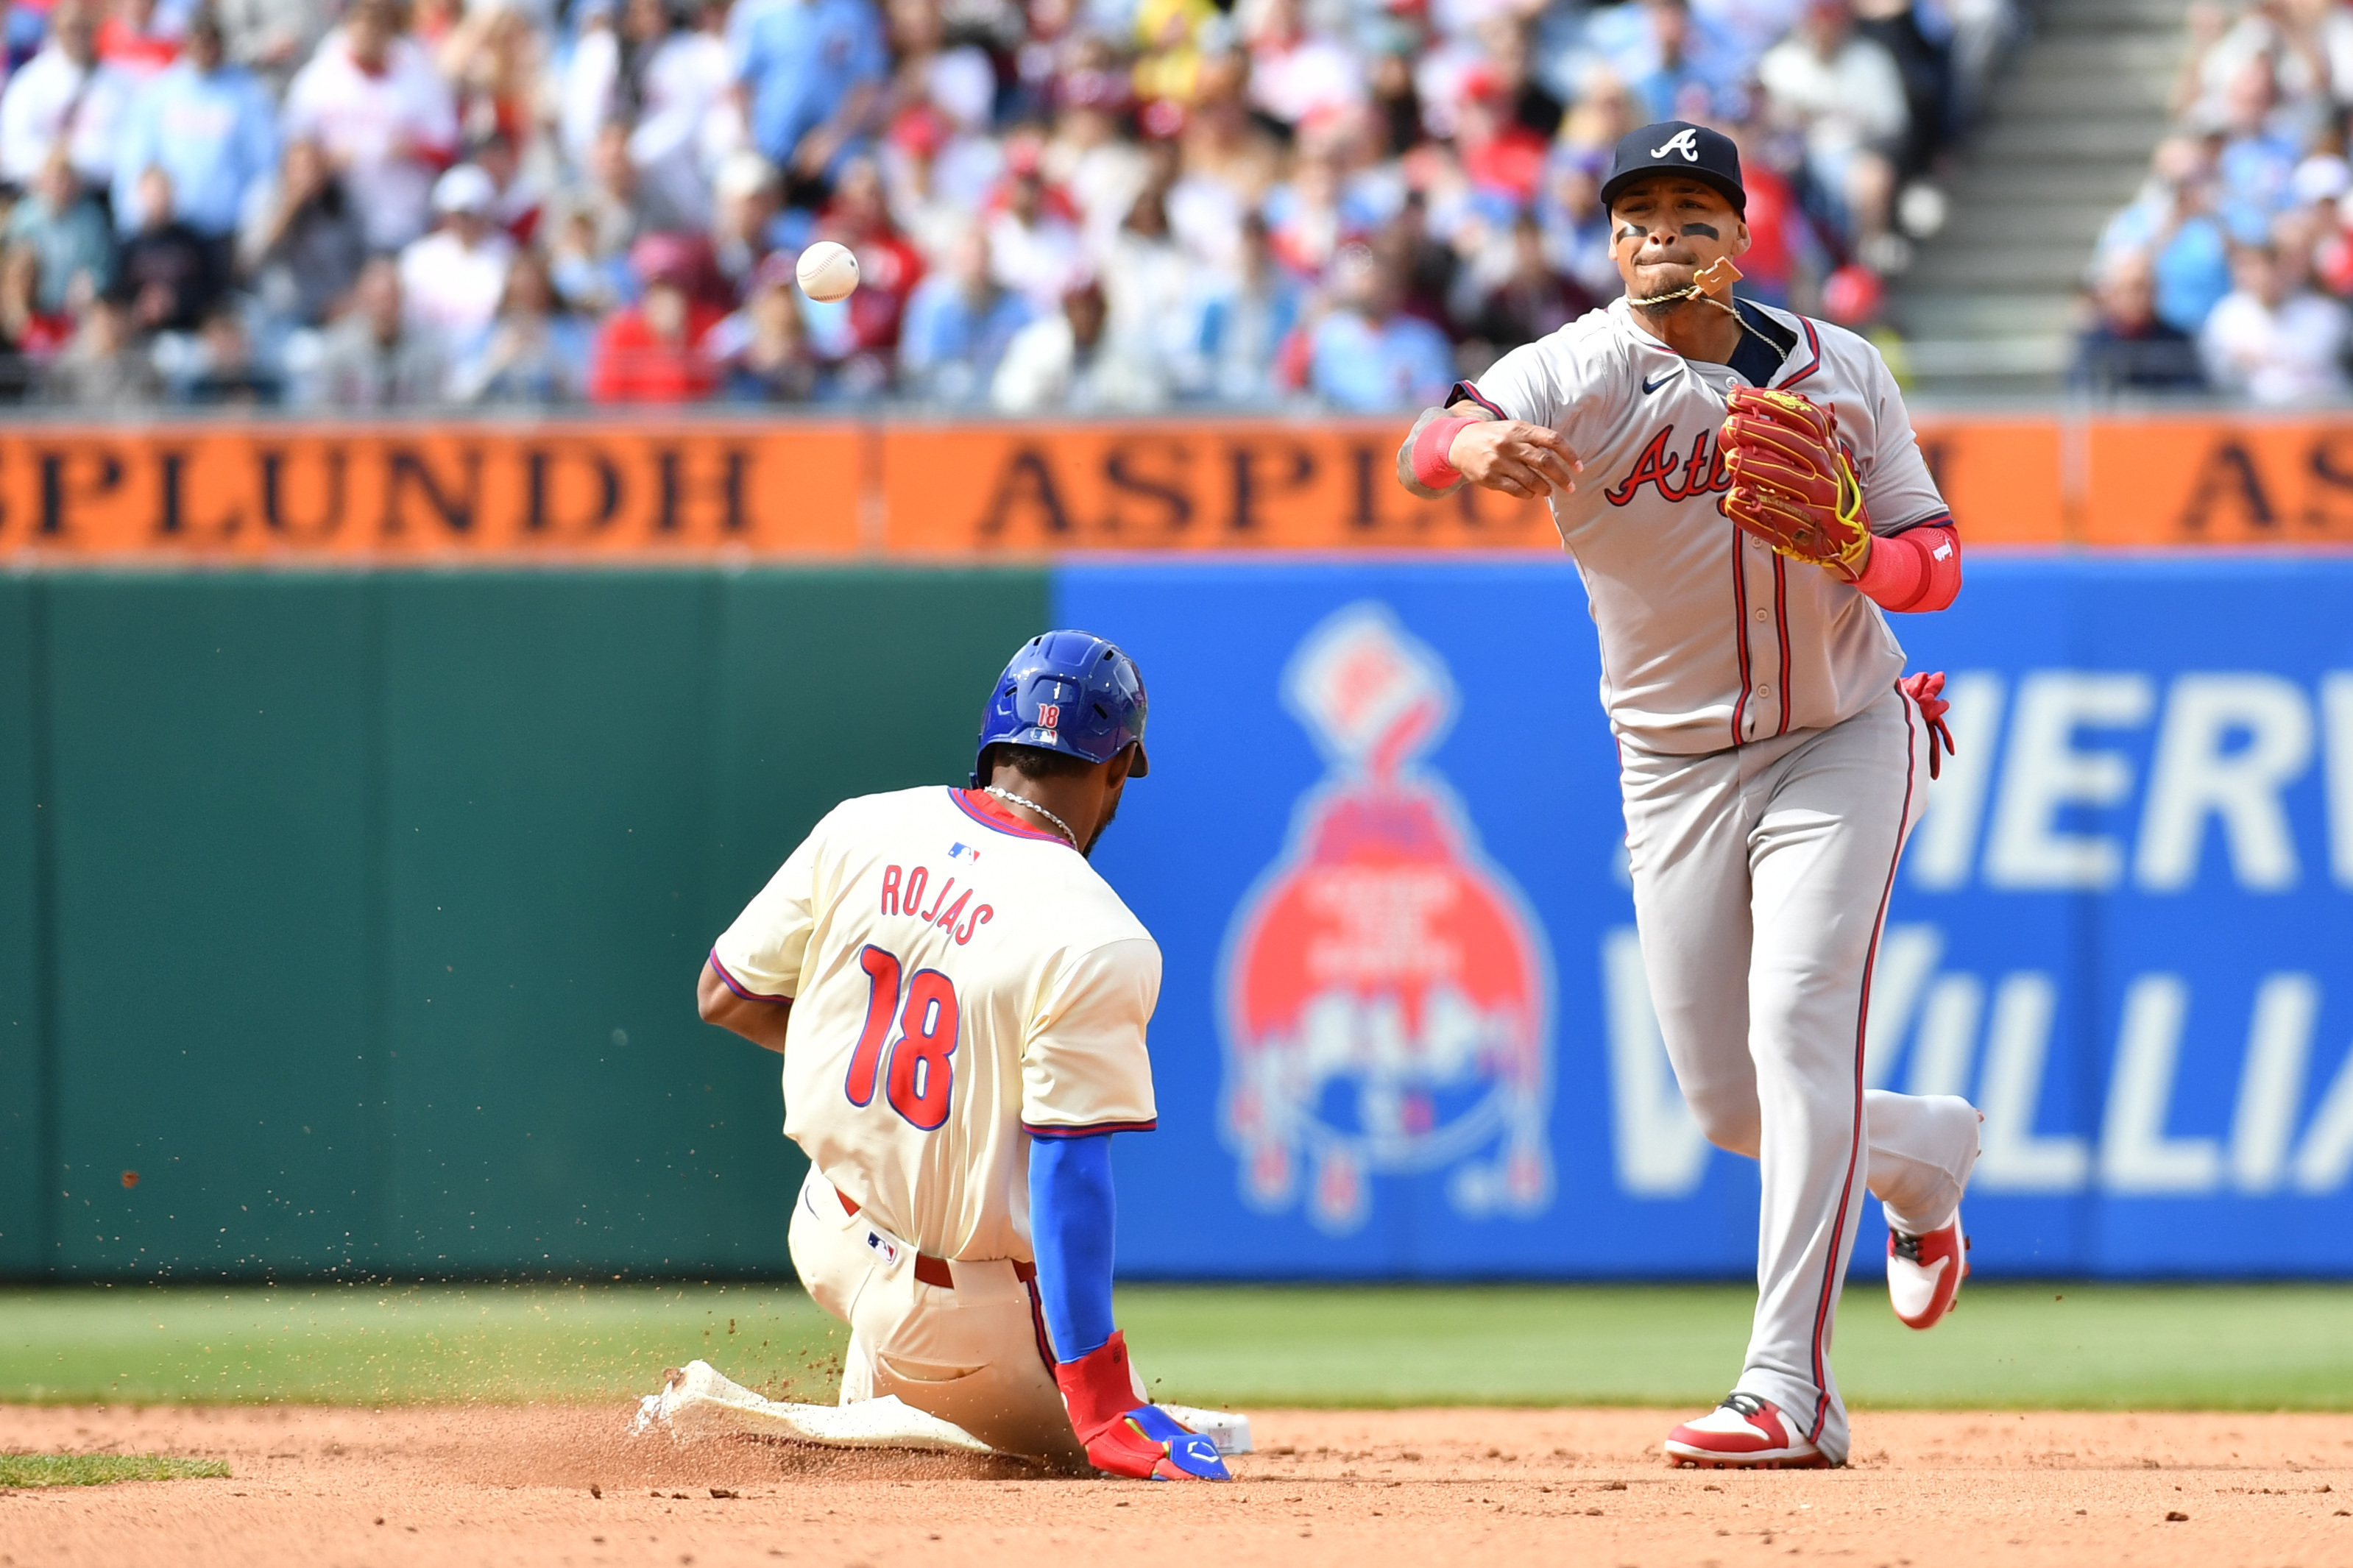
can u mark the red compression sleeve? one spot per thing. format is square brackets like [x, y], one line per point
[1430, 465]
[1914, 571]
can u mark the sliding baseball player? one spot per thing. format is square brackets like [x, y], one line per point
[1743, 495]
[961, 1001]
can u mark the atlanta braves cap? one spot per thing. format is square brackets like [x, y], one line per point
[1677, 147]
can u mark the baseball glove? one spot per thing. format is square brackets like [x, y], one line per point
[1793, 485]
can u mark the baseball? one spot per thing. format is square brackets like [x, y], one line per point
[828, 272]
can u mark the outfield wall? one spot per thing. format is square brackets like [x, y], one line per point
[357, 913]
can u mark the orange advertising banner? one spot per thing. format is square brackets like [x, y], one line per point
[666, 486]
[2191, 480]
[431, 491]
[1264, 484]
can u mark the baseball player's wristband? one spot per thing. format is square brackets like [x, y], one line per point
[1431, 449]
[1914, 571]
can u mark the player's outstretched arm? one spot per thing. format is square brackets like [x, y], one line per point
[1073, 1221]
[759, 1019]
[1449, 446]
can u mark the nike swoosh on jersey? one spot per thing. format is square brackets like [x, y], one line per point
[1651, 386]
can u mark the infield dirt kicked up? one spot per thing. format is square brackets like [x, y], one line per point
[492, 1485]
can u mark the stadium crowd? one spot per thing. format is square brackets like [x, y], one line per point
[2231, 271]
[1066, 204]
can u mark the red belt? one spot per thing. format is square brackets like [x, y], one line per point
[934, 1271]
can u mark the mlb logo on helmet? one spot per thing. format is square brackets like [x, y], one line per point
[1385, 992]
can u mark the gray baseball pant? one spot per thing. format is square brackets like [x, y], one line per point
[1761, 879]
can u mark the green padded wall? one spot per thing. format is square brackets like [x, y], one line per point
[376, 901]
[23, 1036]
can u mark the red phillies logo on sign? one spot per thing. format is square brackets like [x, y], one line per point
[1050, 715]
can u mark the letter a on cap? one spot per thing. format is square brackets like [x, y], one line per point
[1685, 141]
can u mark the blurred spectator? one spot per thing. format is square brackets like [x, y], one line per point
[66, 235]
[743, 198]
[1366, 356]
[63, 98]
[1244, 322]
[1296, 75]
[2171, 222]
[1066, 363]
[766, 345]
[1903, 28]
[958, 324]
[532, 352]
[34, 333]
[300, 246]
[888, 269]
[1677, 65]
[373, 101]
[1576, 227]
[104, 366]
[2272, 339]
[273, 38]
[1031, 240]
[140, 39]
[654, 350]
[2129, 347]
[1843, 93]
[813, 71]
[171, 275]
[1529, 301]
[1148, 290]
[217, 368]
[373, 358]
[210, 127]
[666, 87]
[454, 277]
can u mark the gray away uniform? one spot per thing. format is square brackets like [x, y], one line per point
[1771, 771]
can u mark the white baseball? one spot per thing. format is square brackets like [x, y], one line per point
[828, 272]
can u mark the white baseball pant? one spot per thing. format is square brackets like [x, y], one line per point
[1761, 879]
[967, 1344]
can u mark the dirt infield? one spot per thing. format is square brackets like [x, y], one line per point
[492, 1486]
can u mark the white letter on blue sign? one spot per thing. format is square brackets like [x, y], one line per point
[2046, 772]
[2337, 712]
[2014, 1160]
[2196, 776]
[2327, 1157]
[1662, 1153]
[2135, 1156]
[2270, 1085]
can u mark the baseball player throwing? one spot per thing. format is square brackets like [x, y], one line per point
[1743, 495]
[960, 1002]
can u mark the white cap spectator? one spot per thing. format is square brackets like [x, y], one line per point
[453, 278]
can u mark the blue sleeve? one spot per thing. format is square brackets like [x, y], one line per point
[1072, 1217]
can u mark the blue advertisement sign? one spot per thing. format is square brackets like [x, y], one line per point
[1404, 1030]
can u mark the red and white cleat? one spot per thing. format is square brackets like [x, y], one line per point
[1744, 1433]
[1925, 1273]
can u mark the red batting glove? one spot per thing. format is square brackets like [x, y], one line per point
[1925, 689]
[1125, 1434]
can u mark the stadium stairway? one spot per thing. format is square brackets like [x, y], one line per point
[2071, 116]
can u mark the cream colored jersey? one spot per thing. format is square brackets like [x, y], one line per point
[960, 984]
[1710, 639]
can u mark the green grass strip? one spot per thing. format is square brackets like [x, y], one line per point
[2009, 1346]
[100, 1470]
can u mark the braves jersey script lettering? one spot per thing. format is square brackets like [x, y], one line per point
[1709, 638]
[960, 984]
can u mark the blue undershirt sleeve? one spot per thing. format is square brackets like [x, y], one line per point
[1072, 1217]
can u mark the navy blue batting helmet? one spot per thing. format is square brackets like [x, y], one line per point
[1069, 693]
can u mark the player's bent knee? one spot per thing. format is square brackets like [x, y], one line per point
[1734, 1129]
